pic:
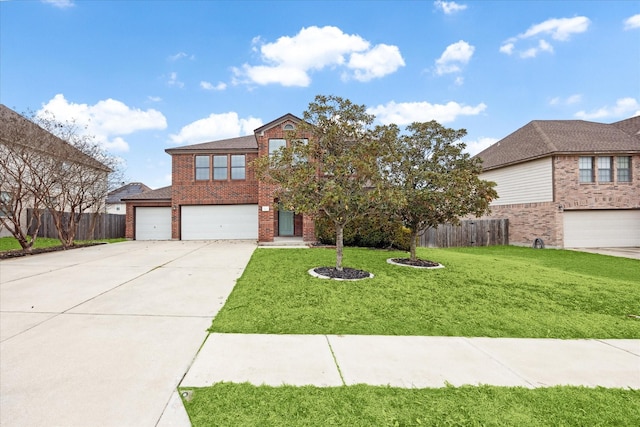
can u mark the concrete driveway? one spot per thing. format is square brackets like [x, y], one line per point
[102, 336]
[630, 252]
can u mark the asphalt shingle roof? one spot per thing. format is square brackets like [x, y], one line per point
[241, 143]
[541, 138]
[163, 193]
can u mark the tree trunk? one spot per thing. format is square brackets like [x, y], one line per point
[339, 245]
[413, 244]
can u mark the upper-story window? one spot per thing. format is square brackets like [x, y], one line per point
[220, 169]
[238, 170]
[585, 165]
[275, 144]
[202, 168]
[623, 167]
[5, 201]
[605, 169]
[288, 126]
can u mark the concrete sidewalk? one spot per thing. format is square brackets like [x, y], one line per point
[400, 361]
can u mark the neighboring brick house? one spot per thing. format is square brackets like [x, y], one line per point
[571, 183]
[215, 194]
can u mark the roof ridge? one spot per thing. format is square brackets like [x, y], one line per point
[544, 135]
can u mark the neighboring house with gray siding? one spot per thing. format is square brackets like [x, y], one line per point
[571, 183]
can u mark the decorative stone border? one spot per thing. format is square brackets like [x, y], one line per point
[391, 261]
[320, 276]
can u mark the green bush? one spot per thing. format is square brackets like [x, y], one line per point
[370, 232]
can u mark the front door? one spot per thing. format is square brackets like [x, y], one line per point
[285, 223]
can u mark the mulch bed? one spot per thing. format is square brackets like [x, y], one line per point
[425, 263]
[346, 273]
[35, 251]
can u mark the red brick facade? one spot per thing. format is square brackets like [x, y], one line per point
[528, 221]
[268, 214]
[187, 190]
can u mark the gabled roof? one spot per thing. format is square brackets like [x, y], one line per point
[542, 138]
[286, 117]
[125, 191]
[241, 143]
[163, 193]
[39, 139]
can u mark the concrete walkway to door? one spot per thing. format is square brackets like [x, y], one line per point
[102, 336]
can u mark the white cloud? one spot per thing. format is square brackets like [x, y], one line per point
[216, 126]
[459, 81]
[449, 7]
[288, 60]
[405, 113]
[209, 86]
[180, 55]
[154, 98]
[560, 29]
[476, 146]
[107, 120]
[625, 107]
[632, 22]
[453, 57]
[173, 80]
[570, 100]
[61, 4]
[507, 48]
[374, 63]
[543, 46]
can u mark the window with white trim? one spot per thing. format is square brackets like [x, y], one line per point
[275, 144]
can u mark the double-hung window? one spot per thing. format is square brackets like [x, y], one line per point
[586, 169]
[220, 169]
[202, 168]
[276, 144]
[238, 170]
[623, 167]
[605, 169]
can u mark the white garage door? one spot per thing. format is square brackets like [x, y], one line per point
[153, 223]
[592, 229]
[219, 222]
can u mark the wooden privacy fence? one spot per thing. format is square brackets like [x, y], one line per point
[107, 226]
[477, 232]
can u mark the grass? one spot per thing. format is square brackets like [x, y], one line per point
[226, 404]
[501, 291]
[11, 244]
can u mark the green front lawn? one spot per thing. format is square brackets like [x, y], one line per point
[501, 291]
[226, 404]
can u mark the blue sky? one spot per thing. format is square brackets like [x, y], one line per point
[145, 76]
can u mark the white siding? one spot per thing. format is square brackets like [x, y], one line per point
[523, 183]
[212, 222]
[595, 228]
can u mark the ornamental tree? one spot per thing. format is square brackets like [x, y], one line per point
[330, 164]
[433, 181]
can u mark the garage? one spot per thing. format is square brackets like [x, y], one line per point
[601, 228]
[219, 222]
[153, 223]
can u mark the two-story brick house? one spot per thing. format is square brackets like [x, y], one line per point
[571, 183]
[215, 194]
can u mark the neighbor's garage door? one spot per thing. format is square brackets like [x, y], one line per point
[153, 223]
[219, 222]
[610, 228]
